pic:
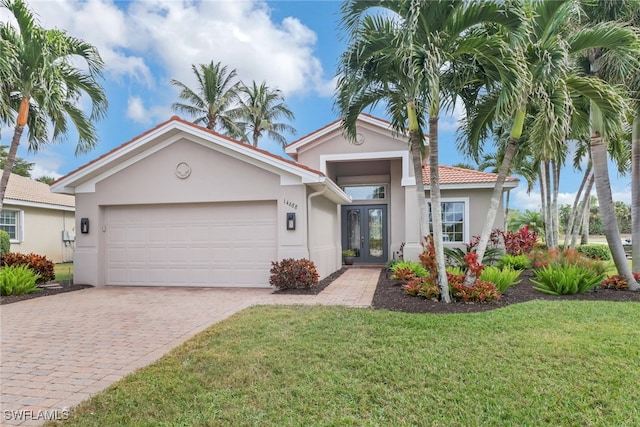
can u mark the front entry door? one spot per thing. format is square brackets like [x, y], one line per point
[364, 229]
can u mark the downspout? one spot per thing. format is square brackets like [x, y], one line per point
[309, 197]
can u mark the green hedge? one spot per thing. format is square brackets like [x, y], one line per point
[595, 251]
[5, 243]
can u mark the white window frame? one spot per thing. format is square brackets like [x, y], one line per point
[365, 201]
[19, 224]
[465, 221]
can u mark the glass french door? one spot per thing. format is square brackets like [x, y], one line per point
[364, 229]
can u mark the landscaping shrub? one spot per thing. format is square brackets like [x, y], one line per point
[454, 269]
[543, 258]
[618, 282]
[38, 263]
[5, 243]
[502, 278]
[566, 279]
[407, 270]
[293, 274]
[480, 291]
[520, 242]
[17, 280]
[595, 251]
[455, 256]
[423, 287]
[516, 262]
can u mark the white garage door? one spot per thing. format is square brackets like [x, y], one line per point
[216, 244]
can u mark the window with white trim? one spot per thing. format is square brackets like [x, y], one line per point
[455, 216]
[366, 192]
[10, 222]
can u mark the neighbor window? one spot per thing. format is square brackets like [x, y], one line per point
[366, 192]
[10, 222]
[454, 220]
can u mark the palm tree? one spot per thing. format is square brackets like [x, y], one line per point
[260, 108]
[45, 86]
[612, 64]
[6, 75]
[549, 91]
[215, 96]
[401, 57]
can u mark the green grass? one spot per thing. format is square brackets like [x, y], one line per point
[63, 271]
[611, 267]
[554, 363]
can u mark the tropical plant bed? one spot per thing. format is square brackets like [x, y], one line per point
[389, 295]
[43, 292]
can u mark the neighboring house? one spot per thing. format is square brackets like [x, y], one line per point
[184, 206]
[38, 220]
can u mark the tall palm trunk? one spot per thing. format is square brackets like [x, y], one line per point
[605, 199]
[21, 122]
[555, 169]
[545, 202]
[585, 215]
[416, 157]
[635, 192]
[571, 223]
[496, 196]
[436, 208]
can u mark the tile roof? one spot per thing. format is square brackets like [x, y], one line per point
[454, 175]
[28, 190]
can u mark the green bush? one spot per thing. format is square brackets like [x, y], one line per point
[502, 278]
[407, 270]
[454, 269]
[293, 274]
[566, 279]
[17, 280]
[516, 262]
[595, 251]
[38, 263]
[5, 243]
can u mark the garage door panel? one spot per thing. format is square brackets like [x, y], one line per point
[218, 244]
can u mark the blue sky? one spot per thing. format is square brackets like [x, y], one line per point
[292, 45]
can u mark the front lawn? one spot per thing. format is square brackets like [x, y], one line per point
[537, 363]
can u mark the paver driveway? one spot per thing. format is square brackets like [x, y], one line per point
[59, 350]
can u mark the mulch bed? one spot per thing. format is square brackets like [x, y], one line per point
[42, 293]
[316, 289]
[390, 296]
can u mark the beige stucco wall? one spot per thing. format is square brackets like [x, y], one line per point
[42, 233]
[335, 143]
[324, 235]
[379, 154]
[215, 177]
[479, 200]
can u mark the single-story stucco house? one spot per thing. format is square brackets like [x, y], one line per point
[184, 206]
[38, 220]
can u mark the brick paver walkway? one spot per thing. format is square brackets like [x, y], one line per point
[57, 351]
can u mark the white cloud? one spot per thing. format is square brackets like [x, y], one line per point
[522, 201]
[139, 113]
[46, 163]
[450, 120]
[241, 35]
[102, 24]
